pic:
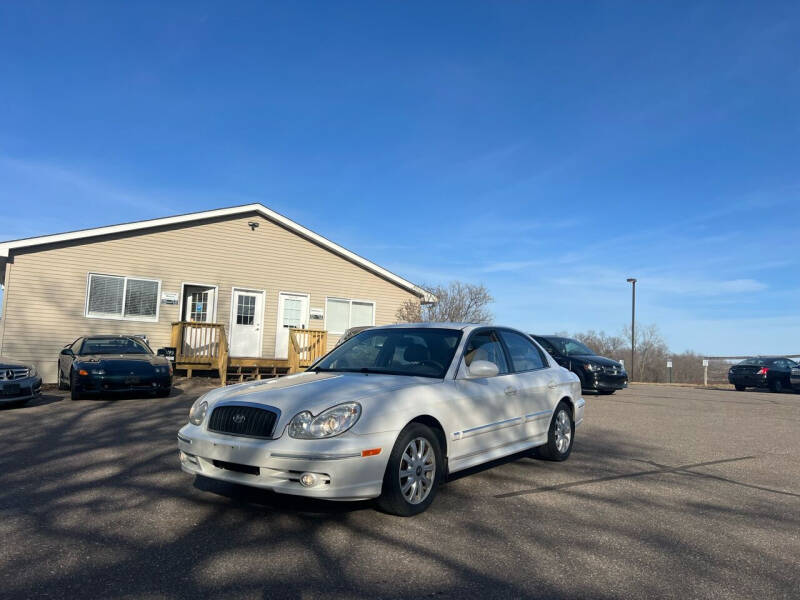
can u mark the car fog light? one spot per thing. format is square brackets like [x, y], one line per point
[308, 479]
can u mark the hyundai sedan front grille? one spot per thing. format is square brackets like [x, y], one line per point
[247, 421]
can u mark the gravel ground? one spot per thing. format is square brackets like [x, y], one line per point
[671, 492]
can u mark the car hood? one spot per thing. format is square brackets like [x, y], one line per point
[10, 363]
[598, 360]
[314, 392]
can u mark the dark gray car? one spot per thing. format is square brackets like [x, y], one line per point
[19, 382]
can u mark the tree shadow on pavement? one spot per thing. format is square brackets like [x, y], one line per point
[93, 504]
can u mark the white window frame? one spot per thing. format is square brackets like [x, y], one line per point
[122, 317]
[350, 302]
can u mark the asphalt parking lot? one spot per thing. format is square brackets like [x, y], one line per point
[670, 492]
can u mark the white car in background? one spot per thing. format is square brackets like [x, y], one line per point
[388, 414]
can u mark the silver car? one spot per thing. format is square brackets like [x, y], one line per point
[19, 382]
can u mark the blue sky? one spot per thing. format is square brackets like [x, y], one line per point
[548, 150]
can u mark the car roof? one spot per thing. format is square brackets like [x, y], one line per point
[111, 335]
[444, 325]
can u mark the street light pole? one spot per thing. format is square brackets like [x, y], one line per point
[632, 281]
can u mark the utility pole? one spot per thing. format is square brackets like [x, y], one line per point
[632, 281]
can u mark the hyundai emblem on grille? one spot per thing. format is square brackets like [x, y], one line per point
[238, 418]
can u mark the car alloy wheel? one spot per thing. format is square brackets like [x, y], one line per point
[413, 472]
[417, 470]
[563, 431]
[560, 435]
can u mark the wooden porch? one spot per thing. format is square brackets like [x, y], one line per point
[204, 347]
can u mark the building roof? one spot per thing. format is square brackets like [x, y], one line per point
[86, 234]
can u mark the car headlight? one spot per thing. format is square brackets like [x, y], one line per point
[328, 423]
[592, 367]
[198, 411]
[32, 372]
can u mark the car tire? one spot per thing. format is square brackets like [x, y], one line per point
[554, 448]
[163, 393]
[740, 388]
[776, 386]
[74, 392]
[606, 392]
[415, 438]
[61, 385]
[582, 380]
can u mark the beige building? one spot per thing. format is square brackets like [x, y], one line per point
[247, 267]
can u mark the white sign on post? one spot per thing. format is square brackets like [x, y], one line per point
[669, 364]
[705, 362]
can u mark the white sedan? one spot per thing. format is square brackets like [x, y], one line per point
[388, 414]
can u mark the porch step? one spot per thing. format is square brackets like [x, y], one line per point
[243, 372]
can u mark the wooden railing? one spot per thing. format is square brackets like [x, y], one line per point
[201, 346]
[204, 347]
[305, 347]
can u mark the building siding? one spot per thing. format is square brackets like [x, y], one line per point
[45, 295]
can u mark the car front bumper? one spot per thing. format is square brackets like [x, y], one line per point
[20, 389]
[605, 381]
[795, 381]
[124, 383]
[277, 464]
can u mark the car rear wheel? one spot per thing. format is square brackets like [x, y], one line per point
[413, 473]
[74, 392]
[61, 383]
[740, 388]
[560, 436]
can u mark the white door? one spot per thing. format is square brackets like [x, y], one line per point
[247, 314]
[490, 415]
[536, 380]
[198, 304]
[292, 312]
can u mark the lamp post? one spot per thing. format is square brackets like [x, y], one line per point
[632, 281]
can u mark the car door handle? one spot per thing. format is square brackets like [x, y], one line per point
[552, 385]
[511, 391]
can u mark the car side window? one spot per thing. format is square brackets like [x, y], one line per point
[525, 356]
[485, 345]
[548, 346]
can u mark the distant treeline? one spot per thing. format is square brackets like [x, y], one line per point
[651, 357]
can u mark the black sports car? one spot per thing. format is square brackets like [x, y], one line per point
[112, 363]
[772, 372]
[603, 375]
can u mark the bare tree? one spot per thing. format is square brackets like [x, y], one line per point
[612, 346]
[458, 302]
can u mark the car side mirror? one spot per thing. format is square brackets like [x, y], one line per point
[67, 352]
[482, 368]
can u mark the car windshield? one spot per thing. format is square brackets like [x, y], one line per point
[113, 345]
[422, 352]
[570, 347]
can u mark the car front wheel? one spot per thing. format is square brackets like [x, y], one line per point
[74, 386]
[740, 388]
[560, 435]
[776, 386]
[413, 473]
